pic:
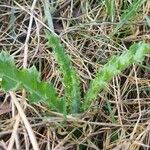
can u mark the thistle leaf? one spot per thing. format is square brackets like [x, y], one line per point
[12, 79]
[70, 78]
[115, 65]
[9, 84]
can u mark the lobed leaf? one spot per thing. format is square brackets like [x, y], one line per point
[115, 65]
[13, 79]
[70, 78]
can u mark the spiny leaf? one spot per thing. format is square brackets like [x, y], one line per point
[9, 85]
[12, 79]
[115, 65]
[75, 106]
[70, 78]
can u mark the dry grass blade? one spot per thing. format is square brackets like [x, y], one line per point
[119, 117]
[25, 121]
[14, 133]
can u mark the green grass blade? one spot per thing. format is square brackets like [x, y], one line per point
[48, 15]
[12, 22]
[148, 20]
[115, 65]
[110, 6]
[112, 116]
[13, 79]
[128, 14]
[70, 78]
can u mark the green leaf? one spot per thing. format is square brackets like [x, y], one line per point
[115, 65]
[76, 99]
[9, 84]
[70, 79]
[12, 79]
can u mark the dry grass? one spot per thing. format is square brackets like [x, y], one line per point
[119, 119]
